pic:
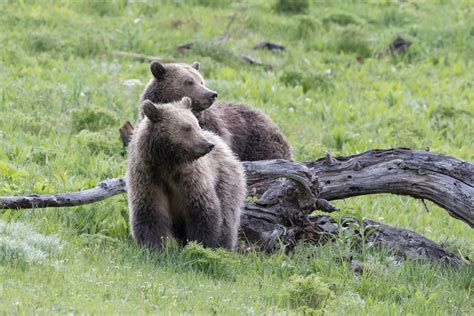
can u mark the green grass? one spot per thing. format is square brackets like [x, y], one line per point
[63, 96]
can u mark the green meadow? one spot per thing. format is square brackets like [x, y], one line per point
[64, 92]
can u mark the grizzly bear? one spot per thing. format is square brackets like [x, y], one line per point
[251, 134]
[182, 181]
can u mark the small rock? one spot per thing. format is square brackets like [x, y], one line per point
[399, 46]
[357, 266]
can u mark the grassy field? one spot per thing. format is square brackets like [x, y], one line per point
[63, 95]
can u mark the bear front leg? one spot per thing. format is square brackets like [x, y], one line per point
[204, 220]
[150, 220]
[150, 231]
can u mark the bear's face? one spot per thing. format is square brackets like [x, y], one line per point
[175, 131]
[172, 82]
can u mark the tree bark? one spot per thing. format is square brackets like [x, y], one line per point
[279, 221]
[102, 191]
[444, 180]
[279, 213]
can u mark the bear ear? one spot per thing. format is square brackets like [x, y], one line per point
[150, 110]
[157, 69]
[196, 65]
[186, 102]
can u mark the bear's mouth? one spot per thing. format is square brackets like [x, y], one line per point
[199, 107]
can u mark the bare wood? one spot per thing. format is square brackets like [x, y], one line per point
[252, 61]
[102, 191]
[267, 227]
[305, 179]
[402, 242]
[444, 180]
[277, 220]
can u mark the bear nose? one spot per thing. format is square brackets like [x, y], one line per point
[213, 96]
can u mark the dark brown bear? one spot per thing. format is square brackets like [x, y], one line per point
[251, 134]
[182, 181]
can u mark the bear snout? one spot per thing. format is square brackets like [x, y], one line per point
[203, 149]
[210, 146]
[212, 96]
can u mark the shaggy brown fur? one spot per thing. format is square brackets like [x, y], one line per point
[182, 181]
[251, 134]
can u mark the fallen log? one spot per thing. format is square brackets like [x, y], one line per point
[444, 180]
[280, 211]
[102, 191]
[283, 224]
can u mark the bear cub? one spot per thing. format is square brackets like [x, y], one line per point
[250, 133]
[183, 182]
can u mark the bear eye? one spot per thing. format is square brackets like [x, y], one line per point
[189, 82]
[188, 129]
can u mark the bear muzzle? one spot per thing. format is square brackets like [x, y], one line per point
[212, 96]
[203, 149]
[203, 104]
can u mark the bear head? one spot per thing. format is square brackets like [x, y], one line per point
[173, 132]
[172, 82]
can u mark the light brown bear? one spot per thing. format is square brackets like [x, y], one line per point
[251, 134]
[182, 181]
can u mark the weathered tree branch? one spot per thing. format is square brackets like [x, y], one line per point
[444, 180]
[102, 191]
[280, 214]
[271, 227]
[255, 62]
[305, 179]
